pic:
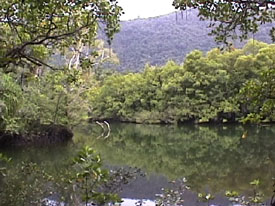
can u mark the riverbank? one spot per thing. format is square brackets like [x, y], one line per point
[212, 158]
[216, 121]
[42, 135]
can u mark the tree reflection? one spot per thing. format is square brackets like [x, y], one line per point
[216, 157]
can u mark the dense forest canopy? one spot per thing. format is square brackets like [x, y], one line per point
[206, 88]
[231, 19]
[34, 29]
[32, 91]
[216, 87]
[219, 86]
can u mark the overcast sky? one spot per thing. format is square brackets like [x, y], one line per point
[145, 8]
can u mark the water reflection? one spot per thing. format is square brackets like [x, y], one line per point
[212, 158]
[134, 202]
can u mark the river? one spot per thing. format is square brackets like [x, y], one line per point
[211, 158]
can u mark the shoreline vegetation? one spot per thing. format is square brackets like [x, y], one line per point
[231, 86]
[57, 184]
[43, 101]
[44, 135]
[217, 87]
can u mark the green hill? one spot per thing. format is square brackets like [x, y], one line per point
[169, 37]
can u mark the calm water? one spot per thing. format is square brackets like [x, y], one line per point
[212, 158]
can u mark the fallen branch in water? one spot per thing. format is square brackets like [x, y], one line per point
[104, 129]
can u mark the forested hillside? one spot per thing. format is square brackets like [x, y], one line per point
[169, 37]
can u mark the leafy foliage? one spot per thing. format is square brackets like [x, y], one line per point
[33, 29]
[260, 93]
[10, 104]
[58, 98]
[90, 177]
[55, 98]
[204, 89]
[83, 181]
[3, 159]
[31, 95]
[232, 19]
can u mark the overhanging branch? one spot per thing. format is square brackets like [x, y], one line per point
[37, 62]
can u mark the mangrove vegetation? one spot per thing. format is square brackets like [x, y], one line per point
[56, 75]
[236, 85]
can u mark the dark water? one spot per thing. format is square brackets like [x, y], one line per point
[212, 158]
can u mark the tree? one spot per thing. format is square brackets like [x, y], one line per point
[205, 88]
[32, 30]
[236, 19]
[232, 19]
[259, 94]
[80, 181]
